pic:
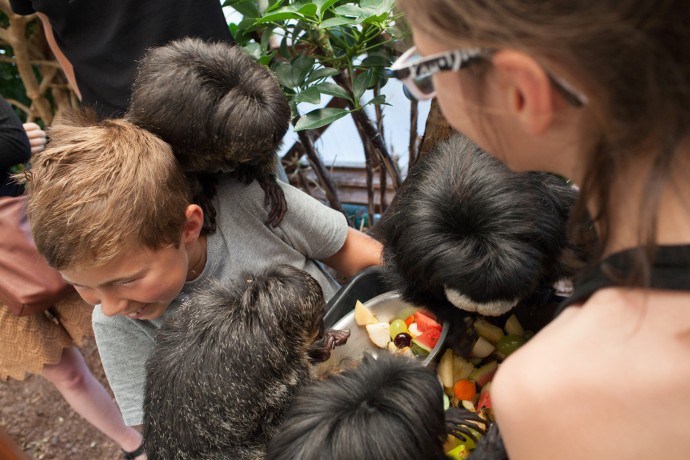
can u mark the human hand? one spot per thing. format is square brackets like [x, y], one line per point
[37, 137]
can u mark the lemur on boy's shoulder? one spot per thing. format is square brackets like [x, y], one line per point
[220, 111]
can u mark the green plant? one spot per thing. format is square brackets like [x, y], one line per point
[335, 48]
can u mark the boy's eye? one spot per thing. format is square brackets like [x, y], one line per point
[125, 282]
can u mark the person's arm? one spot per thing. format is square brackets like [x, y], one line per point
[358, 252]
[123, 348]
[322, 233]
[14, 143]
[59, 55]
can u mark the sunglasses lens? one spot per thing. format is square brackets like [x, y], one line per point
[425, 85]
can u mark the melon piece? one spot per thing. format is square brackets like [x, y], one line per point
[379, 334]
[484, 374]
[484, 398]
[426, 323]
[419, 348]
[363, 315]
[429, 338]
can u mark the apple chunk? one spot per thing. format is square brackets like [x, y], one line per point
[363, 315]
[379, 333]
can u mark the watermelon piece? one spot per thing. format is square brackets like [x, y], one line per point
[419, 348]
[426, 323]
[483, 375]
[429, 338]
[484, 401]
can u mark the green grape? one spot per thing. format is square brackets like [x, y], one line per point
[509, 343]
[398, 326]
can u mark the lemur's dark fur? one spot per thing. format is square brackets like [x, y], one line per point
[227, 365]
[218, 108]
[464, 224]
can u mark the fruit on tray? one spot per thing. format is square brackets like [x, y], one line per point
[488, 331]
[465, 389]
[509, 343]
[483, 375]
[379, 333]
[482, 348]
[417, 334]
[398, 326]
[462, 377]
[363, 315]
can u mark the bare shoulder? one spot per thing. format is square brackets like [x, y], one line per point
[618, 364]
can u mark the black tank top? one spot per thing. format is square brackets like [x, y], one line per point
[669, 271]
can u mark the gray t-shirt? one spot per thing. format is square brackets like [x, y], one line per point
[241, 243]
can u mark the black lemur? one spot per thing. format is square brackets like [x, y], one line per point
[466, 235]
[218, 108]
[227, 365]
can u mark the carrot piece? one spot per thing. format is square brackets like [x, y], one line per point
[464, 389]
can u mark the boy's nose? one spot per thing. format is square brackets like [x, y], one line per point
[111, 306]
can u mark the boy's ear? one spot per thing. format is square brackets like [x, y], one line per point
[526, 90]
[194, 224]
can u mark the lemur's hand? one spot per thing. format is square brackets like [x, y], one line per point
[320, 350]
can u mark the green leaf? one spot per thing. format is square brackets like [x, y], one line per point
[376, 61]
[293, 107]
[266, 37]
[302, 66]
[378, 100]
[375, 19]
[336, 22]
[377, 7]
[309, 95]
[253, 49]
[283, 49]
[247, 8]
[320, 117]
[323, 72]
[279, 16]
[283, 72]
[308, 10]
[323, 5]
[332, 90]
[350, 10]
[233, 29]
[267, 58]
[362, 82]
[274, 6]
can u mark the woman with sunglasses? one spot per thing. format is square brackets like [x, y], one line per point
[598, 92]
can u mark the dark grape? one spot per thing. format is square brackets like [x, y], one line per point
[402, 340]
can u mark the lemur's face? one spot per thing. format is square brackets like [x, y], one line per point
[140, 284]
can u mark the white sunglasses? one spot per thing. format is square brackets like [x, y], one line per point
[416, 72]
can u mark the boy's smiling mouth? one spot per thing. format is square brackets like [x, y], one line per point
[137, 313]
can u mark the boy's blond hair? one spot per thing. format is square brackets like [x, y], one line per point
[100, 186]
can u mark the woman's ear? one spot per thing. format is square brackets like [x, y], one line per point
[195, 222]
[526, 90]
